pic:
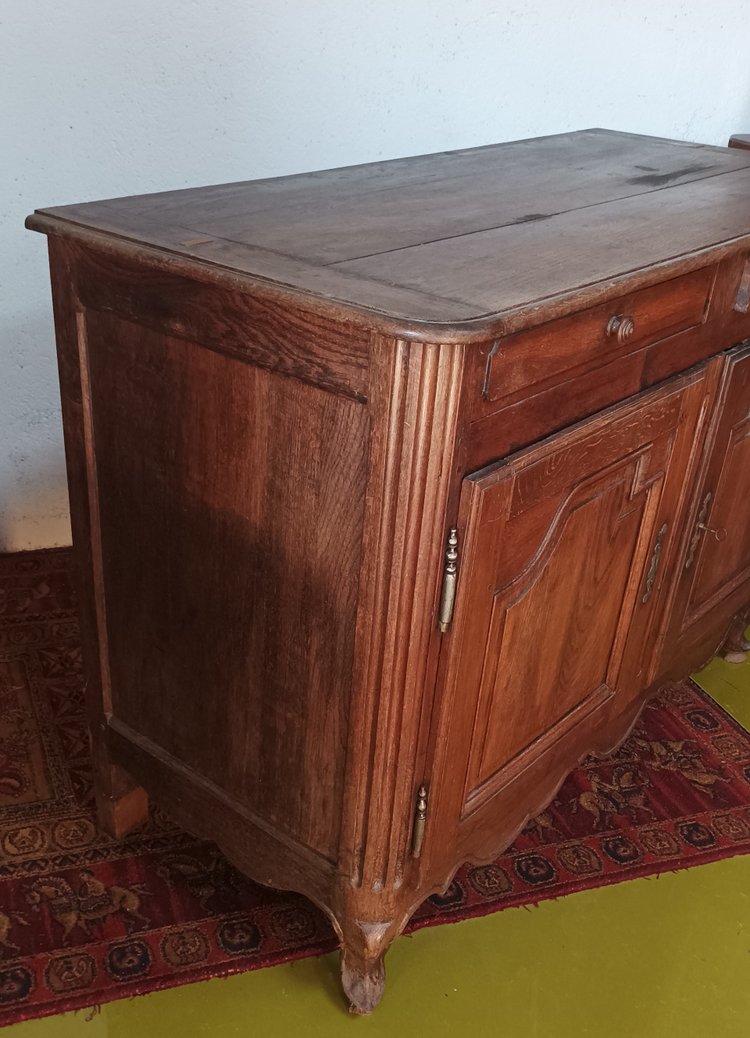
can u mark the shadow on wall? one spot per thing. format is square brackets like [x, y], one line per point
[34, 510]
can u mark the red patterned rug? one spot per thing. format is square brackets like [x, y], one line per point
[85, 920]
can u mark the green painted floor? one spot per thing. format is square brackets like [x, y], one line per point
[667, 956]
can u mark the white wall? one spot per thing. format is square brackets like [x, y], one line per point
[108, 97]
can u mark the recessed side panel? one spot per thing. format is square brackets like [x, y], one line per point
[230, 510]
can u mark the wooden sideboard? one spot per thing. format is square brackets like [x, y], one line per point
[396, 489]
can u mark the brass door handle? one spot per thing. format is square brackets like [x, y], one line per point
[620, 327]
[655, 556]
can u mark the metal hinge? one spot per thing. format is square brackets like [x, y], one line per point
[450, 576]
[420, 818]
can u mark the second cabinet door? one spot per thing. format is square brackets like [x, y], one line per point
[714, 569]
[562, 564]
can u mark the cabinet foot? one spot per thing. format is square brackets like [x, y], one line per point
[363, 981]
[363, 948]
[736, 646]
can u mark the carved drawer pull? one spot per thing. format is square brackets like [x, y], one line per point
[620, 327]
[655, 556]
[720, 534]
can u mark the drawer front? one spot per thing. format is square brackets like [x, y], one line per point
[552, 352]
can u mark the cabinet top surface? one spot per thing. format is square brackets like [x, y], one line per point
[454, 237]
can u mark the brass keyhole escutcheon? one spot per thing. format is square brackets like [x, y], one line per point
[620, 327]
[719, 534]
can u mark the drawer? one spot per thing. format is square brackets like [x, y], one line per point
[561, 349]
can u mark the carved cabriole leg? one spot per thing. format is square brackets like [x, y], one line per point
[362, 986]
[736, 646]
[363, 966]
[121, 803]
[366, 928]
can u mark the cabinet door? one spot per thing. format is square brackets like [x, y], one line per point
[714, 582]
[564, 546]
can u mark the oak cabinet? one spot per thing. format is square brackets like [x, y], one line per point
[395, 490]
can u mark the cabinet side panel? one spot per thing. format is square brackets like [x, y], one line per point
[231, 509]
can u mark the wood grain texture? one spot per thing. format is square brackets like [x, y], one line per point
[455, 236]
[330, 216]
[240, 494]
[597, 243]
[278, 399]
[323, 352]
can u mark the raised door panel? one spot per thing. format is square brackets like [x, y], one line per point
[551, 646]
[715, 567]
[560, 586]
